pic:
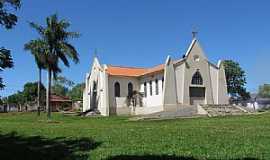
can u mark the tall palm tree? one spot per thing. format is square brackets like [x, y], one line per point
[55, 38]
[37, 49]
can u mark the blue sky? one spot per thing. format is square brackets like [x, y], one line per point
[142, 33]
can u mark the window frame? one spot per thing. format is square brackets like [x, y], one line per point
[117, 89]
[157, 87]
[197, 78]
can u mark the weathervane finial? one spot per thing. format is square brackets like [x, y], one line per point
[194, 32]
[95, 52]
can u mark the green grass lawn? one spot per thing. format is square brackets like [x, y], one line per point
[26, 136]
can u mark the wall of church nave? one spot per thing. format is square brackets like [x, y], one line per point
[123, 82]
[154, 89]
[222, 87]
[85, 101]
[179, 77]
[214, 81]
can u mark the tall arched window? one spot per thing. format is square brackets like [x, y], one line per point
[156, 86]
[117, 89]
[130, 89]
[151, 88]
[162, 82]
[145, 89]
[94, 87]
[197, 78]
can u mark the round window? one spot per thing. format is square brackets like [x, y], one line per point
[196, 58]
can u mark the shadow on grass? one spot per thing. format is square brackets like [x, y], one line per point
[14, 147]
[161, 157]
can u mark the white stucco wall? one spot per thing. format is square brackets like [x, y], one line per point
[97, 75]
[180, 75]
[103, 101]
[152, 100]
[85, 94]
[222, 86]
[123, 81]
[214, 81]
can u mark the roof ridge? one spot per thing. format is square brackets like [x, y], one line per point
[109, 65]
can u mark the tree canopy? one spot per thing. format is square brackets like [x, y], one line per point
[61, 86]
[30, 90]
[264, 91]
[236, 80]
[38, 49]
[29, 94]
[8, 20]
[76, 93]
[65, 87]
[6, 61]
[55, 40]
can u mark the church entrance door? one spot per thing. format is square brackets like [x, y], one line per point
[197, 95]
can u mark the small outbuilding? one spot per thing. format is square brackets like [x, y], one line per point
[60, 103]
[256, 102]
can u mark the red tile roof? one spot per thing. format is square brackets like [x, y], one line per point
[132, 71]
[154, 69]
[56, 98]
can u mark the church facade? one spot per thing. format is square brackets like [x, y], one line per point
[191, 80]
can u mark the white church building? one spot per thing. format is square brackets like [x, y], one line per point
[191, 80]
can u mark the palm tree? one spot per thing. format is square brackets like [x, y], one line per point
[37, 49]
[55, 38]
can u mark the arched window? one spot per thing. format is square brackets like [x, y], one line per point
[162, 82]
[151, 88]
[156, 86]
[197, 78]
[145, 89]
[117, 89]
[94, 87]
[130, 89]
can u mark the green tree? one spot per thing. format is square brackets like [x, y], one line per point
[27, 96]
[55, 38]
[63, 81]
[59, 90]
[8, 20]
[264, 91]
[236, 80]
[17, 99]
[30, 92]
[37, 48]
[76, 93]
[5, 62]
[61, 86]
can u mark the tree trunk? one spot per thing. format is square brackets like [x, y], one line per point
[48, 97]
[39, 83]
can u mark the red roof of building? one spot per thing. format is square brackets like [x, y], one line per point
[133, 71]
[56, 98]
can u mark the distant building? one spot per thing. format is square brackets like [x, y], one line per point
[256, 102]
[59, 103]
[130, 90]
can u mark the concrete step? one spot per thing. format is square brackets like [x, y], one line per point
[223, 110]
[173, 112]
